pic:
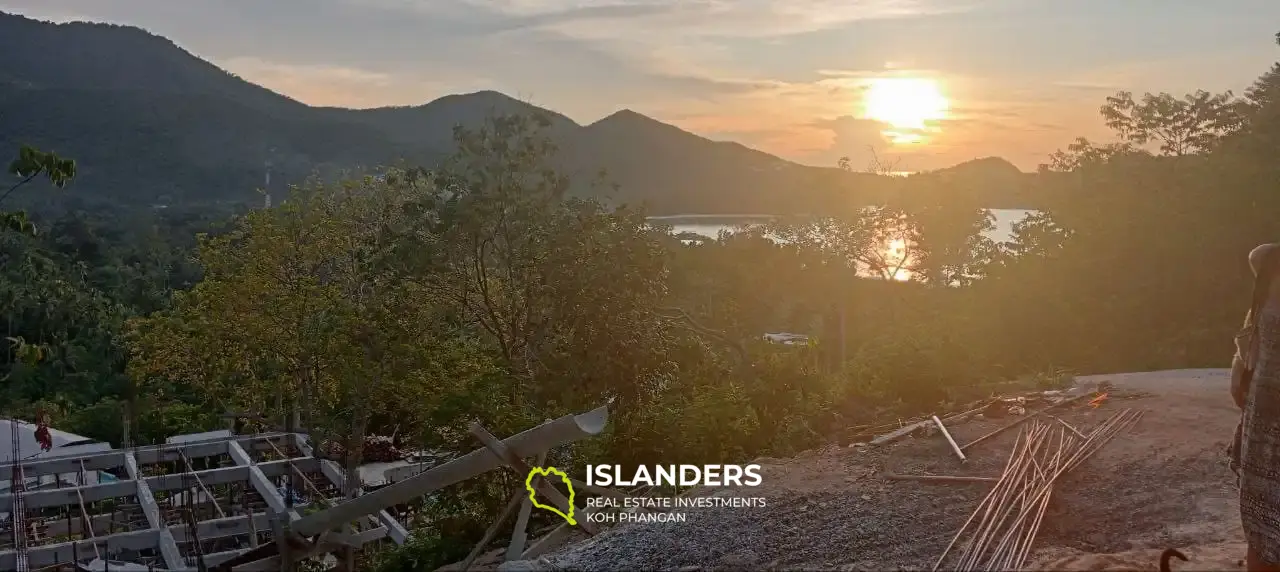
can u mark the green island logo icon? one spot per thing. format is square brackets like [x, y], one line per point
[547, 472]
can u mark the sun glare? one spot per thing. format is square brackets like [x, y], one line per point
[906, 105]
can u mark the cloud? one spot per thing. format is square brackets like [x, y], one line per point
[336, 86]
[602, 19]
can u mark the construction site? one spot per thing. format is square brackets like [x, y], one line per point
[222, 501]
[191, 503]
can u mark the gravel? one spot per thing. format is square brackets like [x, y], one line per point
[1164, 483]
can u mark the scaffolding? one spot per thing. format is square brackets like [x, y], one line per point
[190, 504]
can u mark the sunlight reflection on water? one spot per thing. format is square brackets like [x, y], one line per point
[711, 225]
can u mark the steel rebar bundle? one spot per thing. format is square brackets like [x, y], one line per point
[1000, 531]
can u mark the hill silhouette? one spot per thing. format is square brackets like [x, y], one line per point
[152, 123]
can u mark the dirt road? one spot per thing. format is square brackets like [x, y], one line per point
[1164, 483]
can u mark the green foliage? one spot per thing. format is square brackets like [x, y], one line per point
[65, 295]
[426, 550]
[29, 164]
[32, 162]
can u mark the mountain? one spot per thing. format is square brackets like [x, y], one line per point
[149, 122]
[677, 171]
[991, 181]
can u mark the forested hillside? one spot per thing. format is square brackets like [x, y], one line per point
[153, 124]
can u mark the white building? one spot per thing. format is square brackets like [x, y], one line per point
[29, 450]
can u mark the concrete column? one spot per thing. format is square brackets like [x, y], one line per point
[168, 547]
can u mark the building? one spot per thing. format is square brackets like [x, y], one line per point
[64, 443]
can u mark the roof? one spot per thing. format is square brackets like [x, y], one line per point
[27, 444]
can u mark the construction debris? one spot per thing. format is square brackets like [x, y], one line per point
[1015, 423]
[991, 408]
[1009, 517]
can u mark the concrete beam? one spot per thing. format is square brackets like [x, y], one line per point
[71, 464]
[224, 475]
[180, 481]
[260, 481]
[222, 527]
[172, 453]
[55, 462]
[164, 539]
[43, 556]
[67, 496]
[219, 435]
[396, 531]
[281, 467]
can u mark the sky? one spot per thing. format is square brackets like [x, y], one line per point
[1020, 78]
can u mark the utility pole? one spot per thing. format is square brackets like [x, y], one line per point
[266, 186]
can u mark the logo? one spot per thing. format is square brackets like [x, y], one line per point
[652, 509]
[547, 472]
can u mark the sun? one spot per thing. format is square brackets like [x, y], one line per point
[907, 105]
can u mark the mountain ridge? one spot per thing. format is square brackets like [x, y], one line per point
[152, 122]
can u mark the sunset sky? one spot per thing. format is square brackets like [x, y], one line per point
[1020, 77]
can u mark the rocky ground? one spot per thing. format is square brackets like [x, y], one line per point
[1164, 483]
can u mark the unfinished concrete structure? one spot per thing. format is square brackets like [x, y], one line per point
[189, 504]
[223, 502]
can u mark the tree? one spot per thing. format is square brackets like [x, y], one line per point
[303, 311]
[1265, 91]
[560, 288]
[29, 164]
[1083, 153]
[1193, 124]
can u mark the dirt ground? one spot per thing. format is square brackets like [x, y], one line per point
[1163, 483]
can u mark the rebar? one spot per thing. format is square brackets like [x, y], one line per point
[1007, 520]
